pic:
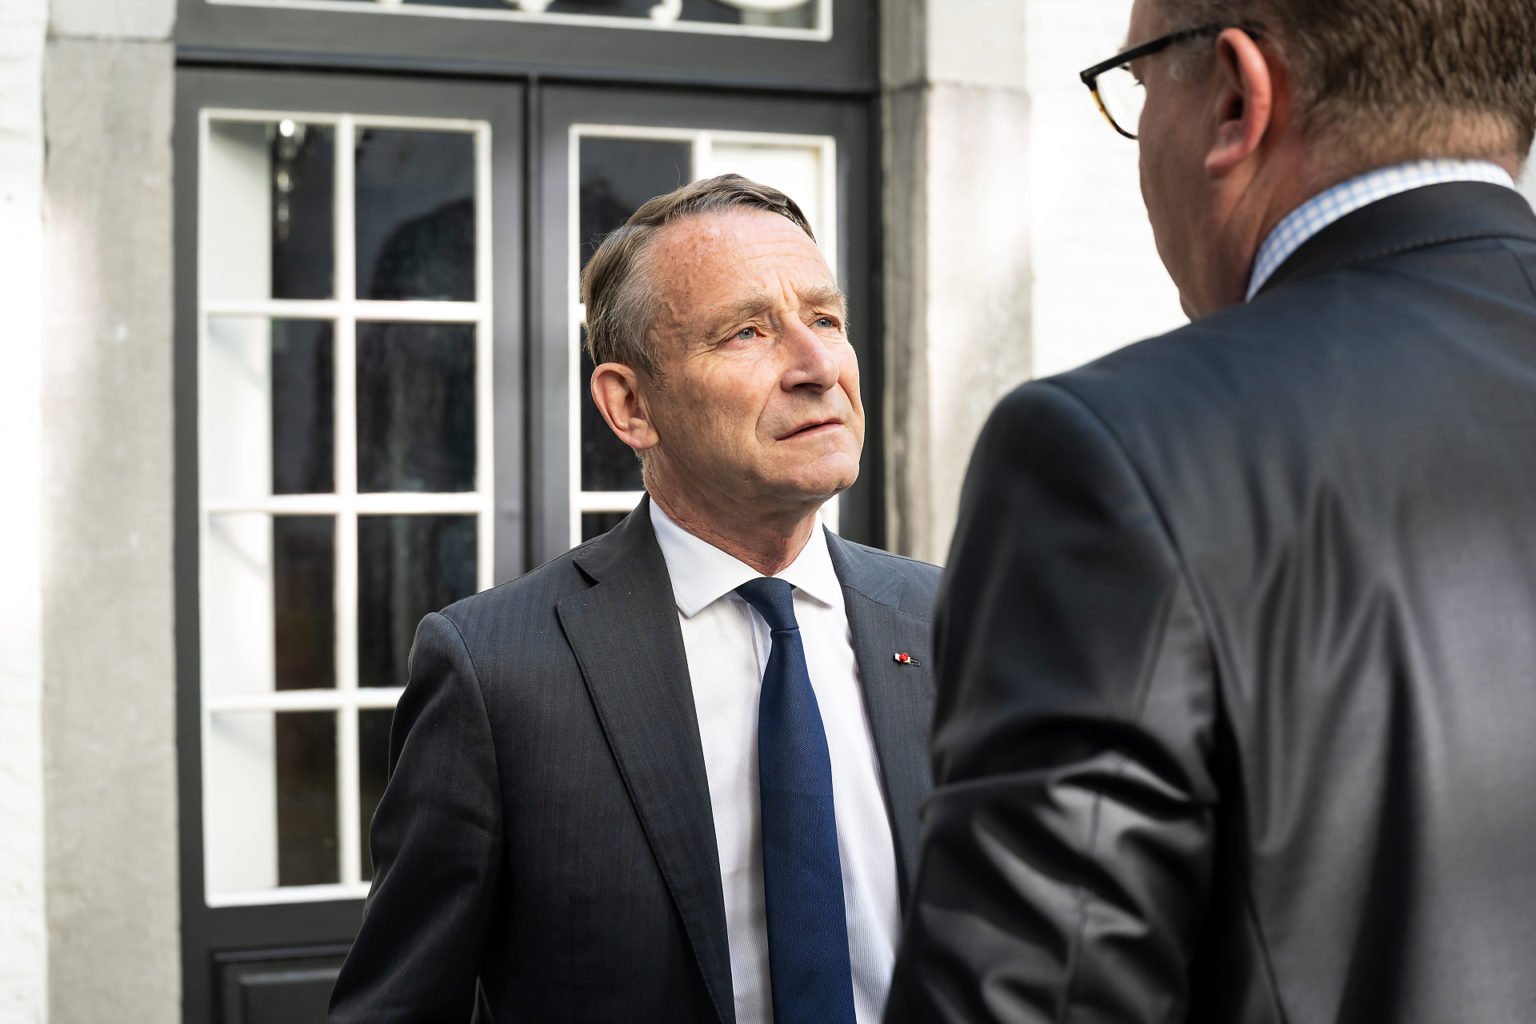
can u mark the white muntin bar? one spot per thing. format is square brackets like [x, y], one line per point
[349, 845]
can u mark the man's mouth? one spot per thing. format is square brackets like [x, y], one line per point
[811, 428]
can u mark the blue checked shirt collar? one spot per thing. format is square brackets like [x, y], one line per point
[1346, 197]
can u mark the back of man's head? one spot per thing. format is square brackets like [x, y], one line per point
[1379, 81]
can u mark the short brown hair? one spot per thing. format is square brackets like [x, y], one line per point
[616, 286]
[1389, 80]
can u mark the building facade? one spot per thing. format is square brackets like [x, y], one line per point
[293, 356]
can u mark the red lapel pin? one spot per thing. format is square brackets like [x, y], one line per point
[903, 658]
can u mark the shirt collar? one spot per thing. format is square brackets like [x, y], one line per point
[702, 573]
[1298, 226]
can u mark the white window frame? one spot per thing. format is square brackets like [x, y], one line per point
[345, 311]
[702, 141]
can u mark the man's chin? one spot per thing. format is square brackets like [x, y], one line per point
[824, 489]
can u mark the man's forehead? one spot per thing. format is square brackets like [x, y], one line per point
[731, 227]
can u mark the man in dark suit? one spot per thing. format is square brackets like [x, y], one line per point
[1237, 645]
[576, 823]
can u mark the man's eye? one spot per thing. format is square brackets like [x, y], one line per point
[827, 322]
[746, 334]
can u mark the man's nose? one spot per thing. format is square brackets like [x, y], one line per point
[810, 358]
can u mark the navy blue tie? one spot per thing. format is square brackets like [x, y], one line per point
[802, 873]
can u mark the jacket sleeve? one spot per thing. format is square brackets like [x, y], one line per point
[437, 848]
[1067, 848]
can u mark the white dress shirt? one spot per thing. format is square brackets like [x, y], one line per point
[727, 645]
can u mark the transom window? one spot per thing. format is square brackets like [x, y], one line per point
[345, 466]
[802, 19]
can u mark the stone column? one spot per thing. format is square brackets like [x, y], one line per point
[1015, 239]
[108, 628]
[23, 874]
[957, 253]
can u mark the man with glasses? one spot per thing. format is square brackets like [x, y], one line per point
[1237, 643]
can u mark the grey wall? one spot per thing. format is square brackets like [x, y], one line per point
[957, 271]
[23, 922]
[107, 628]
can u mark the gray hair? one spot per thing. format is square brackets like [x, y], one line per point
[1389, 80]
[616, 285]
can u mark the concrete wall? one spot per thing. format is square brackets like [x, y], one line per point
[23, 875]
[107, 628]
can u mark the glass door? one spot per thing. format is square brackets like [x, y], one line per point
[605, 152]
[350, 380]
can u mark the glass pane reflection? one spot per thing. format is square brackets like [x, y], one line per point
[407, 566]
[303, 407]
[270, 210]
[268, 407]
[607, 464]
[415, 407]
[306, 798]
[372, 773]
[304, 602]
[616, 177]
[594, 524]
[415, 215]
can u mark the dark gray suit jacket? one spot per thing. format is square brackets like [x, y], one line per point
[547, 830]
[1237, 705]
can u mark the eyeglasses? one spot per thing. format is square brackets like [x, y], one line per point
[1119, 93]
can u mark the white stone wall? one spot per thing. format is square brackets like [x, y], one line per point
[23, 876]
[1016, 241]
[1098, 283]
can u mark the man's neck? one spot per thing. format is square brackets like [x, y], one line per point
[766, 542]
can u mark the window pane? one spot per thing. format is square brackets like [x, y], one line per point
[607, 464]
[795, 170]
[617, 176]
[269, 213]
[304, 587]
[269, 603]
[372, 772]
[272, 813]
[415, 407]
[594, 524]
[237, 605]
[306, 799]
[407, 566]
[268, 407]
[415, 215]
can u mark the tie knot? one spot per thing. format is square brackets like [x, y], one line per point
[774, 600]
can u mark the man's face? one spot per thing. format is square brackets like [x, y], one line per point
[758, 410]
[1172, 176]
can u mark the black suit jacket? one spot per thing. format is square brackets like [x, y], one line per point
[547, 830]
[1238, 658]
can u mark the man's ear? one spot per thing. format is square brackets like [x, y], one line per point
[1247, 83]
[617, 392]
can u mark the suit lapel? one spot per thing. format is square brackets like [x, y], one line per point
[898, 697]
[625, 635]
